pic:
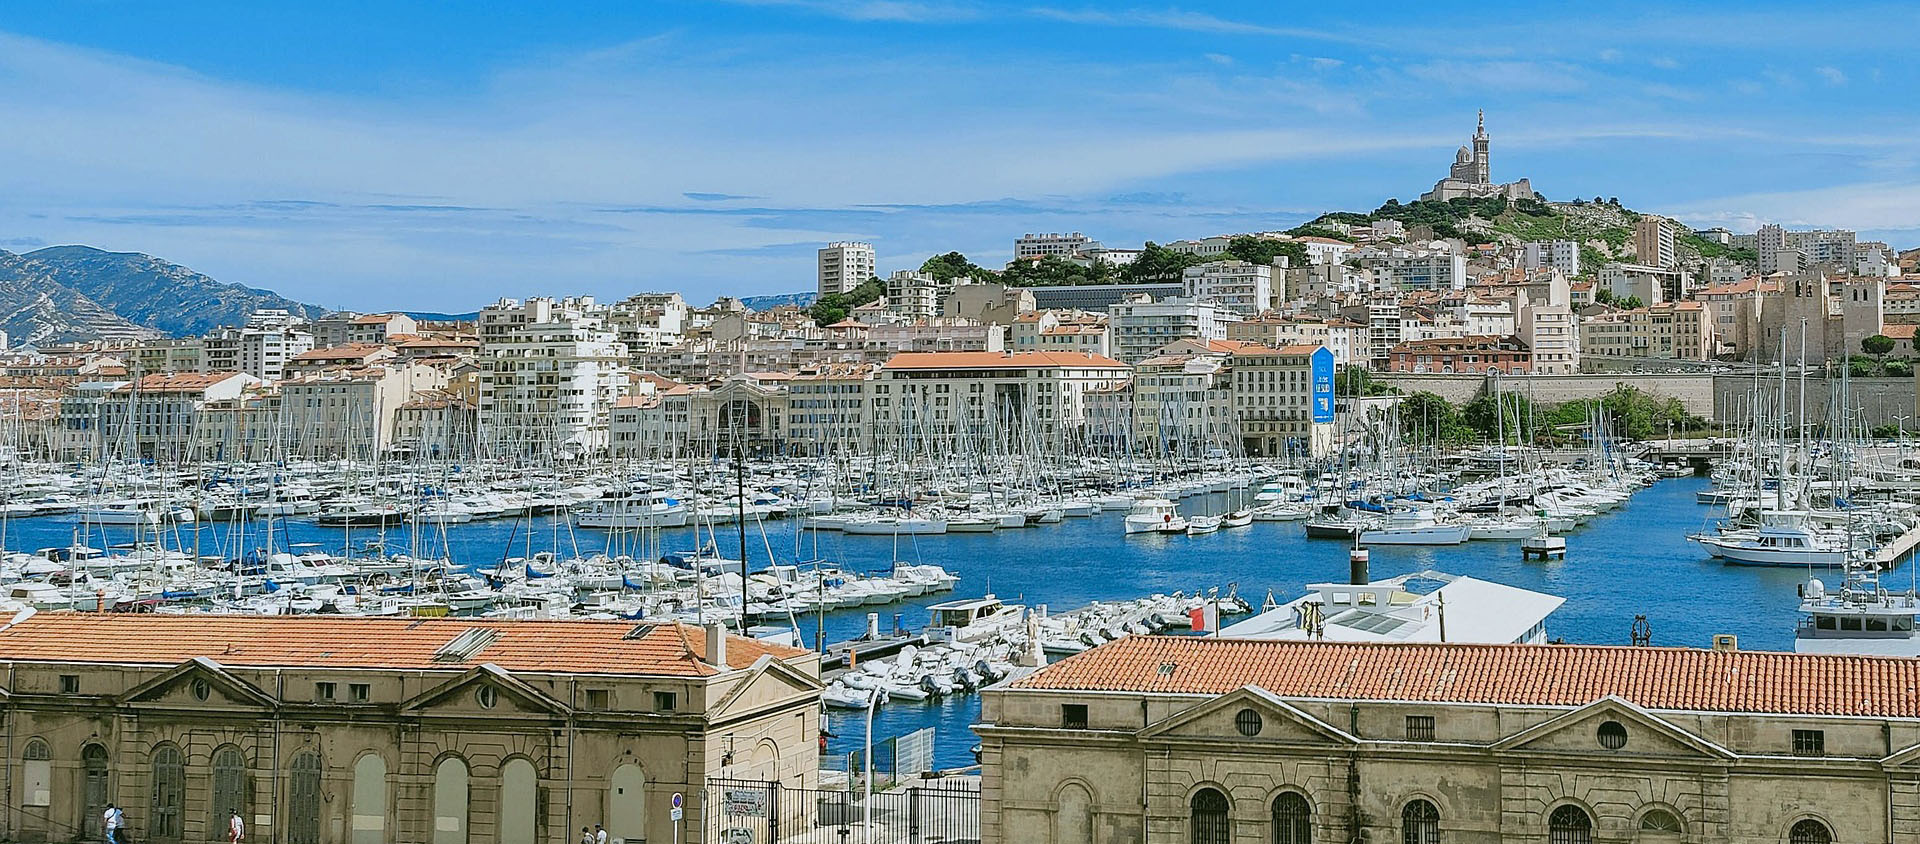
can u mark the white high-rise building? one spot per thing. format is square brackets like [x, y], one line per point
[261, 348]
[1139, 325]
[1562, 255]
[916, 295]
[845, 265]
[551, 371]
[1243, 288]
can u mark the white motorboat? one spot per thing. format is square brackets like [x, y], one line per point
[1202, 524]
[1777, 544]
[1155, 515]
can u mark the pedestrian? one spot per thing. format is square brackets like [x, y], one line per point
[113, 820]
[586, 835]
[236, 828]
[599, 834]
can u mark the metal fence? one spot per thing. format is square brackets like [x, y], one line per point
[760, 812]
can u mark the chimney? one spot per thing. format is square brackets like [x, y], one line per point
[717, 644]
[1357, 567]
[1726, 642]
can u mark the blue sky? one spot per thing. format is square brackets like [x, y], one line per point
[437, 156]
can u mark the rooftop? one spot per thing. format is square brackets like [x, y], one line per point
[998, 360]
[305, 641]
[1533, 675]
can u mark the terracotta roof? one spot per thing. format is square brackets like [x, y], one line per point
[1899, 332]
[309, 641]
[1537, 675]
[997, 360]
[182, 382]
[350, 351]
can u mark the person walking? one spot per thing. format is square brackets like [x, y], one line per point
[113, 819]
[599, 834]
[236, 828]
[586, 835]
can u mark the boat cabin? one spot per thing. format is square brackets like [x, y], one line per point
[961, 613]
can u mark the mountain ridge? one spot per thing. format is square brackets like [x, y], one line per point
[77, 293]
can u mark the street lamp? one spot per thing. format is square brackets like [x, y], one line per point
[873, 700]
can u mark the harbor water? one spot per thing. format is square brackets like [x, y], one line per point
[1634, 560]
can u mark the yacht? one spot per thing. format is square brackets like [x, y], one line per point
[1414, 526]
[1155, 515]
[1789, 543]
[642, 511]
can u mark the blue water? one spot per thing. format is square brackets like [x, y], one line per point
[1634, 560]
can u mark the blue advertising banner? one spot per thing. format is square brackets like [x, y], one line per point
[1322, 385]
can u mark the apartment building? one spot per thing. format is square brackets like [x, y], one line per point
[829, 410]
[1283, 399]
[1032, 245]
[1060, 331]
[1653, 242]
[648, 321]
[936, 398]
[1237, 287]
[176, 354]
[1475, 354]
[261, 348]
[1562, 255]
[844, 265]
[1670, 330]
[346, 327]
[916, 295]
[550, 372]
[1432, 267]
[350, 412]
[1182, 405]
[158, 417]
[1139, 325]
[437, 424]
[1552, 332]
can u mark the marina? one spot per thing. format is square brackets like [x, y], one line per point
[1628, 560]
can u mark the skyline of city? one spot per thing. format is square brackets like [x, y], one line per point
[526, 153]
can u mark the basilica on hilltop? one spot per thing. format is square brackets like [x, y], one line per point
[1471, 175]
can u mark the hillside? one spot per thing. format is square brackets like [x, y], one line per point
[157, 294]
[1604, 228]
[761, 303]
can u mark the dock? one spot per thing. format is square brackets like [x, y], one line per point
[1899, 549]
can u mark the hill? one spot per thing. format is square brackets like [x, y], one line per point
[68, 293]
[1604, 228]
[761, 303]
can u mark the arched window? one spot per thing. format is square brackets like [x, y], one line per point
[626, 803]
[169, 793]
[1660, 820]
[450, 801]
[1419, 823]
[369, 809]
[1569, 825]
[517, 819]
[1292, 819]
[37, 761]
[303, 799]
[1210, 824]
[1810, 831]
[229, 787]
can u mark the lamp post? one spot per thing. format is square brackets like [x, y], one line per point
[873, 700]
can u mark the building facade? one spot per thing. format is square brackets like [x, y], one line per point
[1212, 740]
[844, 265]
[357, 730]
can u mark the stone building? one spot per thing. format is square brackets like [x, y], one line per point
[1471, 176]
[359, 730]
[1209, 740]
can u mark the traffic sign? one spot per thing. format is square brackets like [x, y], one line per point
[676, 800]
[674, 814]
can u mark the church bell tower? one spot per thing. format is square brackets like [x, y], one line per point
[1482, 168]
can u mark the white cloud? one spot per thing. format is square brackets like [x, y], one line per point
[1832, 75]
[1219, 58]
[1179, 19]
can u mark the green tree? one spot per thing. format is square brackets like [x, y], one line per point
[1603, 295]
[1877, 345]
[834, 307]
[1359, 381]
[1632, 303]
[1157, 263]
[954, 265]
[1262, 250]
[1427, 419]
[1055, 270]
[1500, 419]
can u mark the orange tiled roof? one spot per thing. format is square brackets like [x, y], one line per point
[1534, 675]
[997, 360]
[1899, 332]
[307, 641]
[181, 382]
